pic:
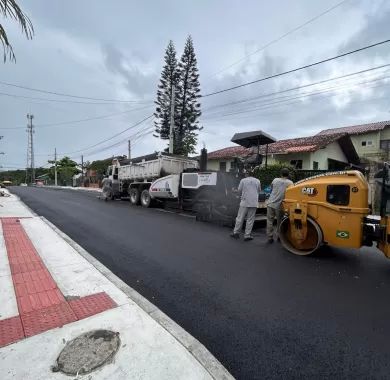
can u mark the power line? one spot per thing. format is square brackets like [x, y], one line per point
[62, 100]
[297, 69]
[90, 118]
[291, 101]
[67, 95]
[287, 98]
[134, 137]
[297, 87]
[80, 120]
[122, 141]
[281, 37]
[145, 130]
[283, 112]
[110, 138]
[281, 101]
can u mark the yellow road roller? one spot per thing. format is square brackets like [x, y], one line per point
[333, 209]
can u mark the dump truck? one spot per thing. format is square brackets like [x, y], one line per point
[177, 182]
[333, 209]
[133, 177]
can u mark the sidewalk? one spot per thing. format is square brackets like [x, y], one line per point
[52, 291]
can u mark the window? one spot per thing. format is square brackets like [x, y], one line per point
[385, 145]
[367, 143]
[297, 164]
[338, 195]
[315, 165]
[233, 165]
[116, 173]
[222, 166]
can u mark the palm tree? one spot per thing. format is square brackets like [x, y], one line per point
[9, 8]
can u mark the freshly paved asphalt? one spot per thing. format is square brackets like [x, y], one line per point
[261, 311]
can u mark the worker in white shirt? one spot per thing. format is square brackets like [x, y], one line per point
[249, 188]
[278, 190]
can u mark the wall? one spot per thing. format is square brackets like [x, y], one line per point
[214, 164]
[368, 151]
[332, 151]
[287, 158]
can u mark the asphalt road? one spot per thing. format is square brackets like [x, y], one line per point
[264, 313]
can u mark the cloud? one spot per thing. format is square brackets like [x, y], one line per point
[138, 78]
[116, 51]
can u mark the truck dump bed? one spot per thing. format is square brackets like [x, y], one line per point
[160, 166]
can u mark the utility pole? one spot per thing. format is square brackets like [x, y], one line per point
[129, 154]
[55, 166]
[172, 121]
[82, 170]
[30, 148]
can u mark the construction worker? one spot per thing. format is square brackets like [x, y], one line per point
[278, 190]
[249, 188]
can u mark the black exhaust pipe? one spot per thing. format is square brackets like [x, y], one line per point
[203, 160]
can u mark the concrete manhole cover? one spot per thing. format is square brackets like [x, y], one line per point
[88, 352]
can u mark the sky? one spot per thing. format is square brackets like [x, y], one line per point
[95, 49]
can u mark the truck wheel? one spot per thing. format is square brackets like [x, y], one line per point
[134, 196]
[146, 199]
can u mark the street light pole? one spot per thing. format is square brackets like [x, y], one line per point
[82, 170]
[55, 166]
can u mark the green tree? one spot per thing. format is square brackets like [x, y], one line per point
[19, 176]
[10, 9]
[100, 166]
[188, 101]
[169, 78]
[66, 169]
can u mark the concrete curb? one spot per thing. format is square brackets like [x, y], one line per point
[192, 345]
[69, 188]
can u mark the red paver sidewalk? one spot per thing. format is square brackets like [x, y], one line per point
[40, 302]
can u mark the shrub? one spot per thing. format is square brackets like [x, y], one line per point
[266, 175]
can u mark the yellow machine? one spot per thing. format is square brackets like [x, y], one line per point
[333, 209]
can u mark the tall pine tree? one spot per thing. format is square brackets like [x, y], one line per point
[188, 106]
[169, 77]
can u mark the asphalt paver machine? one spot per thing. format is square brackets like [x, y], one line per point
[333, 209]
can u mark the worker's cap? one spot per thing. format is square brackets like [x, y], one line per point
[285, 172]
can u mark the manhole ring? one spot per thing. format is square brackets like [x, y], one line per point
[88, 352]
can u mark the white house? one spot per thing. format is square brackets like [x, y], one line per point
[371, 141]
[320, 152]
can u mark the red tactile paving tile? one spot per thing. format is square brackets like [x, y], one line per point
[90, 305]
[11, 331]
[48, 318]
[41, 304]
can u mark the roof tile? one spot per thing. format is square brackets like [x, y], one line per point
[298, 145]
[358, 129]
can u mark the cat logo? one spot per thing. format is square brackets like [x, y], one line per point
[342, 234]
[310, 191]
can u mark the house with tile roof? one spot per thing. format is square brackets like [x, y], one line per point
[320, 152]
[371, 141]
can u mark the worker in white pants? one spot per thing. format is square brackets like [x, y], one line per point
[274, 204]
[249, 188]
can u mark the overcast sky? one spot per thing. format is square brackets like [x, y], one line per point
[114, 50]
